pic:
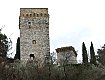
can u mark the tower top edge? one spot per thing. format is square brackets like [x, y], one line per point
[33, 8]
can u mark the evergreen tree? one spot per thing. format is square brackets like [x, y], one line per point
[4, 45]
[17, 55]
[84, 53]
[92, 55]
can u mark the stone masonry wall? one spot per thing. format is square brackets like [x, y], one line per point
[66, 55]
[34, 33]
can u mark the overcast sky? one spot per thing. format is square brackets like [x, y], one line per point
[71, 21]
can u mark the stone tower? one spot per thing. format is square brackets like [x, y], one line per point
[66, 55]
[34, 34]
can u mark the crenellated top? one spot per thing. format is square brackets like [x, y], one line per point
[33, 12]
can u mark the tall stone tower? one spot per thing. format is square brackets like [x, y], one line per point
[34, 34]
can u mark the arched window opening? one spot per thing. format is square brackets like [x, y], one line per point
[29, 24]
[32, 56]
[34, 42]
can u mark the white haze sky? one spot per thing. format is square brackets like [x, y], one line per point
[71, 21]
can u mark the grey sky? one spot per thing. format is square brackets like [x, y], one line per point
[71, 21]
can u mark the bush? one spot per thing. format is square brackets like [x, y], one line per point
[30, 71]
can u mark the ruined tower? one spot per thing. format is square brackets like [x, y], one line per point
[66, 55]
[34, 34]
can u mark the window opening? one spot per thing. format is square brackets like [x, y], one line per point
[34, 42]
[32, 56]
[37, 15]
[26, 15]
[30, 15]
[29, 24]
[34, 14]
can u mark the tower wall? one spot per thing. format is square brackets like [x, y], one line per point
[34, 33]
[66, 55]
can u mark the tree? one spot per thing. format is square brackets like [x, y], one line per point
[17, 55]
[53, 57]
[4, 45]
[101, 55]
[84, 54]
[92, 55]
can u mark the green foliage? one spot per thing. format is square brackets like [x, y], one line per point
[17, 55]
[4, 45]
[101, 55]
[92, 55]
[84, 53]
[19, 71]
